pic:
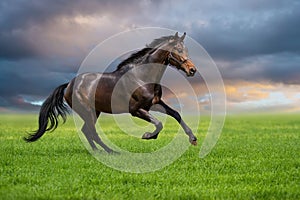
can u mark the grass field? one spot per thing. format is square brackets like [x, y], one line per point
[256, 157]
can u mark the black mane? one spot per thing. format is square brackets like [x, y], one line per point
[136, 57]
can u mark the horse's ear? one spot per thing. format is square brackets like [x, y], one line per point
[176, 35]
[183, 36]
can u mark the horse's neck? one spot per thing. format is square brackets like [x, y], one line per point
[148, 69]
[153, 66]
[150, 73]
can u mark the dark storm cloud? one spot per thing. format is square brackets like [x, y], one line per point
[250, 40]
[249, 32]
[18, 14]
[256, 42]
[281, 68]
[237, 33]
[32, 77]
[25, 70]
[15, 45]
[30, 80]
[18, 18]
[276, 68]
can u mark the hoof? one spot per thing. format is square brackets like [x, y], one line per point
[110, 151]
[114, 153]
[193, 141]
[148, 136]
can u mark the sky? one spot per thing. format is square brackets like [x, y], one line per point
[255, 44]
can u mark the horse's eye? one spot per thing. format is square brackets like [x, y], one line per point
[179, 49]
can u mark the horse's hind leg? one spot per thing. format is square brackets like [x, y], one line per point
[87, 134]
[89, 130]
[145, 115]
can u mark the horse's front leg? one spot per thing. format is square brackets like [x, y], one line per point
[145, 115]
[169, 111]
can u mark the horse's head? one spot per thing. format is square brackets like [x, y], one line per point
[178, 56]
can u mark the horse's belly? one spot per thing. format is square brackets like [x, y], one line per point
[111, 100]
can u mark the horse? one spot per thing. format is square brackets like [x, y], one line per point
[89, 94]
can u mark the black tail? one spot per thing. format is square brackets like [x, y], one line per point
[52, 108]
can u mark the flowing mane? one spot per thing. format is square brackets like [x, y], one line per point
[137, 56]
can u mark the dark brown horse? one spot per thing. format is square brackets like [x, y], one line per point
[132, 88]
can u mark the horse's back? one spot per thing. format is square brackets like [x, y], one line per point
[86, 88]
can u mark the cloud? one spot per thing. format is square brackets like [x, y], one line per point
[42, 43]
[277, 68]
[29, 78]
[30, 29]
[23, 14]
[245, 32]
[245, 96]
[246, 91]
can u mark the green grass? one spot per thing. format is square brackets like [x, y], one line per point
[256, 157]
